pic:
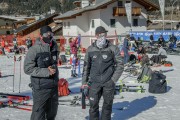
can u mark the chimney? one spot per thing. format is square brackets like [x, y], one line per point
[85, 3]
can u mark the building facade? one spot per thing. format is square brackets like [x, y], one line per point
[9, 23]
[110, 14]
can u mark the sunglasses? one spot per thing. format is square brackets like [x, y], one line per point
[48, 34]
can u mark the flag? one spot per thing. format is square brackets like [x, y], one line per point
[162, 5]
[128, 7]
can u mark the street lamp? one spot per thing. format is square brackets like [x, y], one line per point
[172, 11]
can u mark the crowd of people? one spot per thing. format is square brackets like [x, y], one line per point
[131, 44]
[15, 47]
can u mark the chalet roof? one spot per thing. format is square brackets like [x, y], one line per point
[149, 6]
[73, 13]
[24, 27]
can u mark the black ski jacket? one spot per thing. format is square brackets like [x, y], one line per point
[102, 65]
[38, 59]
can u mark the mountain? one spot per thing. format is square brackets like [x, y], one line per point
[29, 7]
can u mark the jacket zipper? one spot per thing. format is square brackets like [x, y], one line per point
[100, 64]
[51, 60]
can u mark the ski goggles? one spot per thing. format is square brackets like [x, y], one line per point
[48, 34]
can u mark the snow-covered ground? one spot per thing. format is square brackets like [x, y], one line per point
[137, 106]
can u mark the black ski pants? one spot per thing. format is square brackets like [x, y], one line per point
[45, 104]
[3, 51]
[96, 91]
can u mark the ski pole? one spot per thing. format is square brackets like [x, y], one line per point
[20, 74]
[79, 58]
[79, 67]
[14, 71]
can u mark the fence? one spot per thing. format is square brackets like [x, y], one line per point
[21, 40]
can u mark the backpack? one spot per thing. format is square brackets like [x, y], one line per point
[145, 75]
[156, 59]
[168, 64]
[63, 89]
[157, 84]
[132, 57]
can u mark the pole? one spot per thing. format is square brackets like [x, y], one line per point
[163, 15]
[79, 58]
[172, 9]
[20, 74]
[14, 71]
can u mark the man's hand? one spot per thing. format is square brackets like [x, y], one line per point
[85, 90]
[52, 71]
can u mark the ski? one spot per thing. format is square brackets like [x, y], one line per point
[22, 108]
[19, 105]
[73, 105]
[76, 101]
[130, 88]
[6, 102]
[8, 94]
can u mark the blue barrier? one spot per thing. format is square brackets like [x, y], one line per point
[144, 35]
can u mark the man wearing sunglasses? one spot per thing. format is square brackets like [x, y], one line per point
[41, 64]
[103, 66]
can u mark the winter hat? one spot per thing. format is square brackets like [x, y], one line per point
[100, 29]
[45, 29]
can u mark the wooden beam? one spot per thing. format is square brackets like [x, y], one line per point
[79, 14]
[104, 7]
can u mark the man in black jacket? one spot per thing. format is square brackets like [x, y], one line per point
[41, 64]
[161, 41]
[103, 66]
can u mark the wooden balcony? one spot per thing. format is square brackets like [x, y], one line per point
[5, 27]
[121, 11]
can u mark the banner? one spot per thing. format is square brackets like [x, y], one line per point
[162, 5]
[145, 35]
[128, 7]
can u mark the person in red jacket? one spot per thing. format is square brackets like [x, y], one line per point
[3, 46]
[73, 50]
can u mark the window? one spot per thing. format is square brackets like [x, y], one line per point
[68, 24]
[120, 3]
[8, 32]
[93, 24]
[135, 22]
[7, 24]
[64, 24]
[128, 1]
[113, 22]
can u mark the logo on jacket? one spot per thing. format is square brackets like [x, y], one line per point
[46, 59]
[54, 57]
[104, 56]
[94, 56]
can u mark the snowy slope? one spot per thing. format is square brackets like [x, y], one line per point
[136, 106]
